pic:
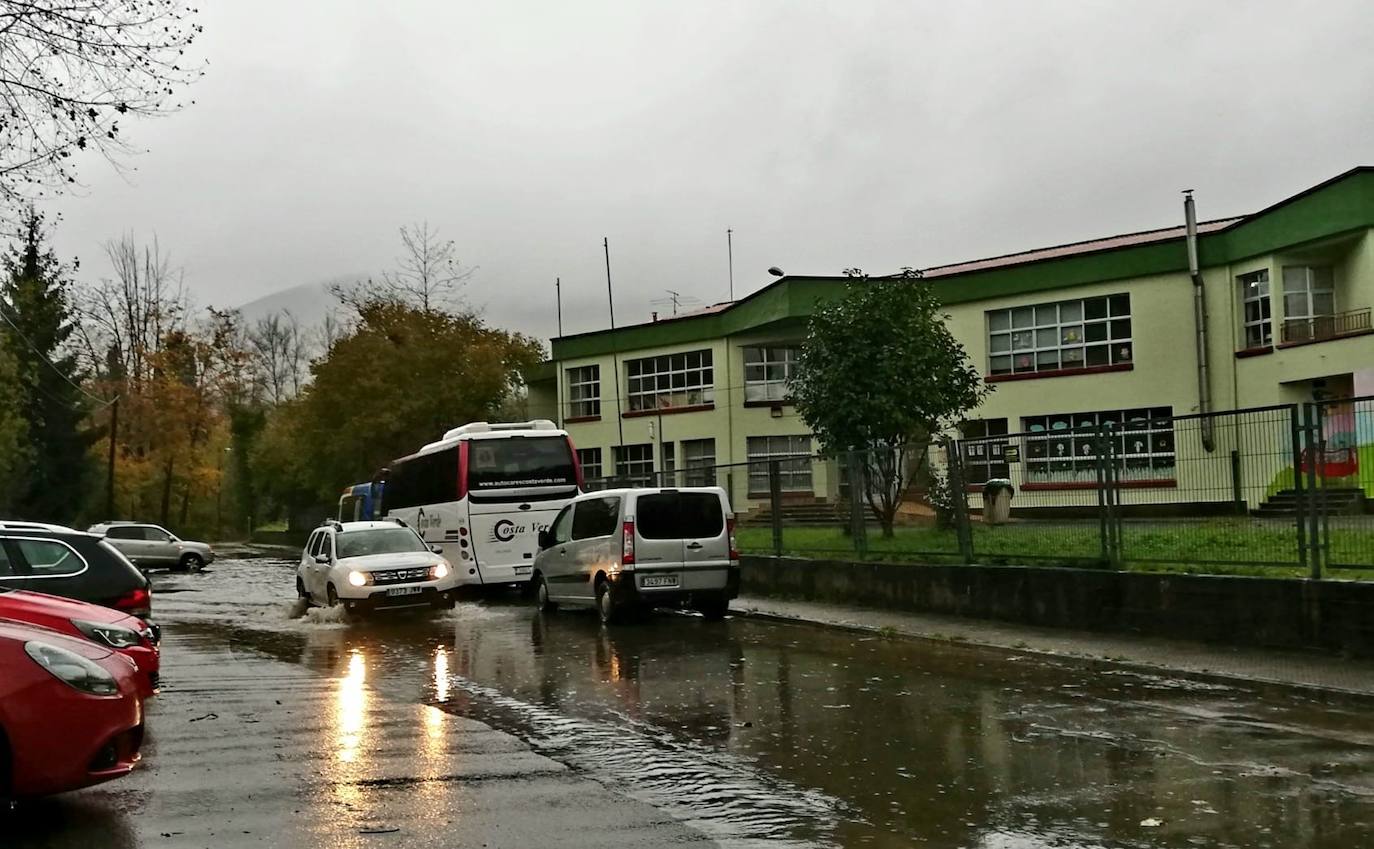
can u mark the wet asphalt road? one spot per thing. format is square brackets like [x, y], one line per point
[494, 725]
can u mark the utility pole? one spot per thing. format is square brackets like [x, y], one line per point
[615, 359]
[558, 295]
[557, 372]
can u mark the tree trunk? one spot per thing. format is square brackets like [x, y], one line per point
[166, 509]
[185, 504]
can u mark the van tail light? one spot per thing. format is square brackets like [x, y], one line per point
[137, 602]
[734, 544]
[627, 545]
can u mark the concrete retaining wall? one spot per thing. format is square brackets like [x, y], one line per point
[1329, 616]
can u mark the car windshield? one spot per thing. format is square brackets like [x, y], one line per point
[378, 541]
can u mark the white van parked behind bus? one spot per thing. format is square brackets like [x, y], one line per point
[483, 493]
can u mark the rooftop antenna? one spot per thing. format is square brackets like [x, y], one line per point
[730, 255]
[676, 300]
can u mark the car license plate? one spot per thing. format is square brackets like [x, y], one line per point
[658, 581]
[405, 591]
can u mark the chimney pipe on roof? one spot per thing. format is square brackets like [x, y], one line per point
[1204, 376]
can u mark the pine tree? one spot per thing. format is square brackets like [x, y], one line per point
[35, 302]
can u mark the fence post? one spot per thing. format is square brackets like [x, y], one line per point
[1100, 464]
[1316, 517]
[858, 482]
[1235, 483]
[775, 503]
[958, 499]
[1114, 546]
[1297, 431]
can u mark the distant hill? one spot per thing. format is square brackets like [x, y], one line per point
[308, 302]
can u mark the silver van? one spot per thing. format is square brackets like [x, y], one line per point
[626, 549]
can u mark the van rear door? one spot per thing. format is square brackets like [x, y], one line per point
[706, 541]
[658, 531]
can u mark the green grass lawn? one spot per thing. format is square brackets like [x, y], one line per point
[1218, 546]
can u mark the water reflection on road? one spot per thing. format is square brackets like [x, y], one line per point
[759, 731]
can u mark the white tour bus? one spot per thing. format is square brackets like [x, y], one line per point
[483, 493]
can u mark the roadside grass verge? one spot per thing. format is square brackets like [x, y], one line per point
[1215, 546]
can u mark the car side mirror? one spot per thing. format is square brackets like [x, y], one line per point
[322, 559]
[545, 539]
[436, 549]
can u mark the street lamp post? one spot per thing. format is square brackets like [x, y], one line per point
[219, 487]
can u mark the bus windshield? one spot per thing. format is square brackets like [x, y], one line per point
[520, 461]
[378, 541]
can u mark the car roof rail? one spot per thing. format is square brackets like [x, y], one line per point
[332, 523]
[398, 520]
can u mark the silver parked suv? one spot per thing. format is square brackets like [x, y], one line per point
[637, 548]
[153, 545]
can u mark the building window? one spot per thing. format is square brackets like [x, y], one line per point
[1063, 448]
[584, 392]
[635, 463]
[590, 461]
[794, 470]
[1309, 292]
[1256, 311]
[982, 450]
[766, 372]
[699, 459]
[1075, 334]
[672, 380]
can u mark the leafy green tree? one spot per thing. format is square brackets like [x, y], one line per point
[14, 430]
[881, 373]
[35, 303]
[400, 377]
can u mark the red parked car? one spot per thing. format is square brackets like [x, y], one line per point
[129, 636]
[70, 714]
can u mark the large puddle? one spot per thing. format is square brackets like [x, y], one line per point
[762, 733]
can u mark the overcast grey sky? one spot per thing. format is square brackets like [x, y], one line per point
[877, 134]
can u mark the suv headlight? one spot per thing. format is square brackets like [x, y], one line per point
[73, 669]
[359, 579]
[438, 571]
[114, 636]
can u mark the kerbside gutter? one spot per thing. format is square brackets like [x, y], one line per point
[1204, 373]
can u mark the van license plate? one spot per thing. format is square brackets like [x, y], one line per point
[394, 591]
[658, 581]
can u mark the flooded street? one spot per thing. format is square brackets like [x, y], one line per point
[755, 732]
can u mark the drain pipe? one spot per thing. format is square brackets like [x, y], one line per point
[1204, 374]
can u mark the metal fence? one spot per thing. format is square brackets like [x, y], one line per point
[1277, 490]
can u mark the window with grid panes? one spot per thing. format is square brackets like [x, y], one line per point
[795, 471]
[1309, 292]
[1081, 333]
[1062, 448]
[670, 380]
[766, 372]
[983, 452]
[1256, 309]
[590, 461]
[699, 460]
[584, 392]
[635, 463]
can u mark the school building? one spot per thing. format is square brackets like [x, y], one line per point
[1100, 331]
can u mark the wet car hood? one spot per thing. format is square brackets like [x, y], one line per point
[23, 632]
[401, 560]
[13, 605]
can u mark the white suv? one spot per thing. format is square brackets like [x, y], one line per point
[635, 548]
[369, 565]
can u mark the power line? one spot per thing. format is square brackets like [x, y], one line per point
[104, 402]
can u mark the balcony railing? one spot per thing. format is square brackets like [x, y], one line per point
[1322, 327]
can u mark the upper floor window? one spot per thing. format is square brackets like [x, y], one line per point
[1257, 312]
[671, 380]
[1309, 291]
[1081, 333]
[584, 392]
[766, 372]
